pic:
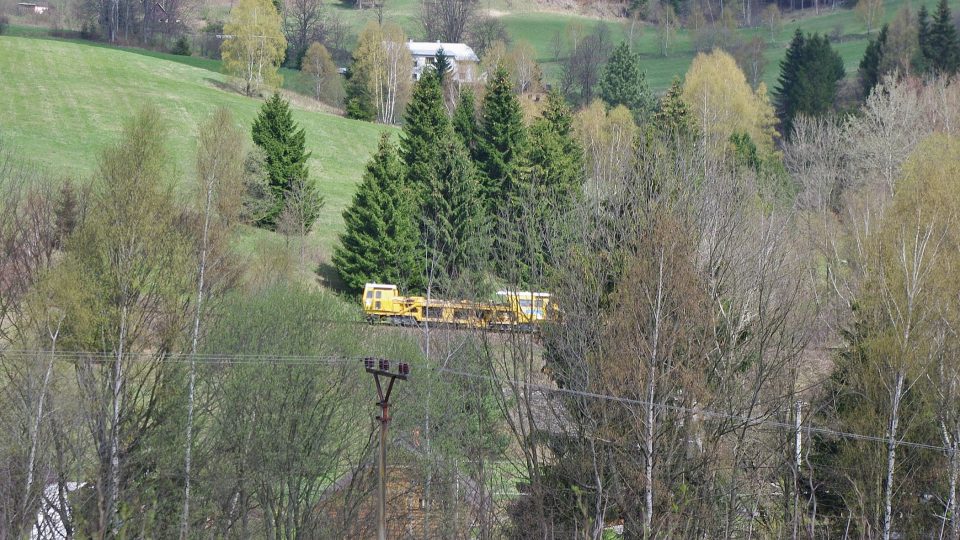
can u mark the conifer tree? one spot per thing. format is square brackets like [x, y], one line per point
[454, 228]
[943, 44]
[623, 83]
[871, 61]
[441, 64]
[673, 117]
[425, 124]
[809, 77]
[502, 144]
[923, 56]
[788, 83]
[284, 145]
[555, 156]
[465, 121]
[379, 243]
[506, 186]
[556, 169]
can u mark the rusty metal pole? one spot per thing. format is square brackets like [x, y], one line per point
[382, 503]
[378, 367]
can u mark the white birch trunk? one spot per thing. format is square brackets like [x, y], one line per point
[892, 455]
[35, 430]
[114, 476]
[201, 274]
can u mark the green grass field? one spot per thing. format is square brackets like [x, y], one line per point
[62, 102]
[527, 21]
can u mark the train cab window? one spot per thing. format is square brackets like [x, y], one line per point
[379, 293]
[369, 294]
[376, 304]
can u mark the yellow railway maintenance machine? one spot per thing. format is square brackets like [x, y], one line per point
[514, 311]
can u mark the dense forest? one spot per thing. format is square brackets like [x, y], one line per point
[757, 303]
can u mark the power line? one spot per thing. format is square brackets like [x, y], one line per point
[286, 359]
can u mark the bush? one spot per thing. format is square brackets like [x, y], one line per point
[4, 22]
[89, 31]
[181, 47]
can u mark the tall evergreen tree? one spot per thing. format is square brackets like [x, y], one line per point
[623, 83]
[454, 228]
[871, 62]
[425, 124]
[379, 242]
[441, 64]
[809, 77]
[555, 156]
[943, 44]
[556, 171]
[501, 159]
[502, 144]
[284, 145]
[465, 121]
[788, 83]
[923, 57]
[359, 104]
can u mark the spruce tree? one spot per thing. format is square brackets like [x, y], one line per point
[465, 121]
[809, 78]
[441, 64]
[922, 59]
[425, 124]
[623, 83]
[821, 73]
[943, 44]
[284, 145]
[379, 242]
[871, 61]
[555, 157]
[506, 187]
[556, 171]
[788, 84]
[672, 118]
[502, 142]
[454, 229]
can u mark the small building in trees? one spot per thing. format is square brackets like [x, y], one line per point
[25, 8]
[464, 63]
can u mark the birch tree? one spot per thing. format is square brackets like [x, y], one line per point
[254, 46]
[383, 62]
[220, 175]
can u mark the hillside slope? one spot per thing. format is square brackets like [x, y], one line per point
[62, 102]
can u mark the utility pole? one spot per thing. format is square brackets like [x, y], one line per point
[380, 367]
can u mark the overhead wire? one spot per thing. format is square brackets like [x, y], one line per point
[289, 359]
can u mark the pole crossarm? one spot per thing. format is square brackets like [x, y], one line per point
[380, 367]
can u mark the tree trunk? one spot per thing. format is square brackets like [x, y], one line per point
[201, 274]
[35, 431]
[114, 471]
[892, 454]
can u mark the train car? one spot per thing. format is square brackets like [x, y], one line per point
[513, 311]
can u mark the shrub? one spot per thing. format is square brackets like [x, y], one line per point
[4, 22]
[89, 31]
[181, 47]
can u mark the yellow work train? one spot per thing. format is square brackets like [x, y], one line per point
[513, 311]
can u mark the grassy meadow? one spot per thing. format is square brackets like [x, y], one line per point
[62, 102]
[530, 22]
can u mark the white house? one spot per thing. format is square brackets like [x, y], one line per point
[31, 7]
[464, 64]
